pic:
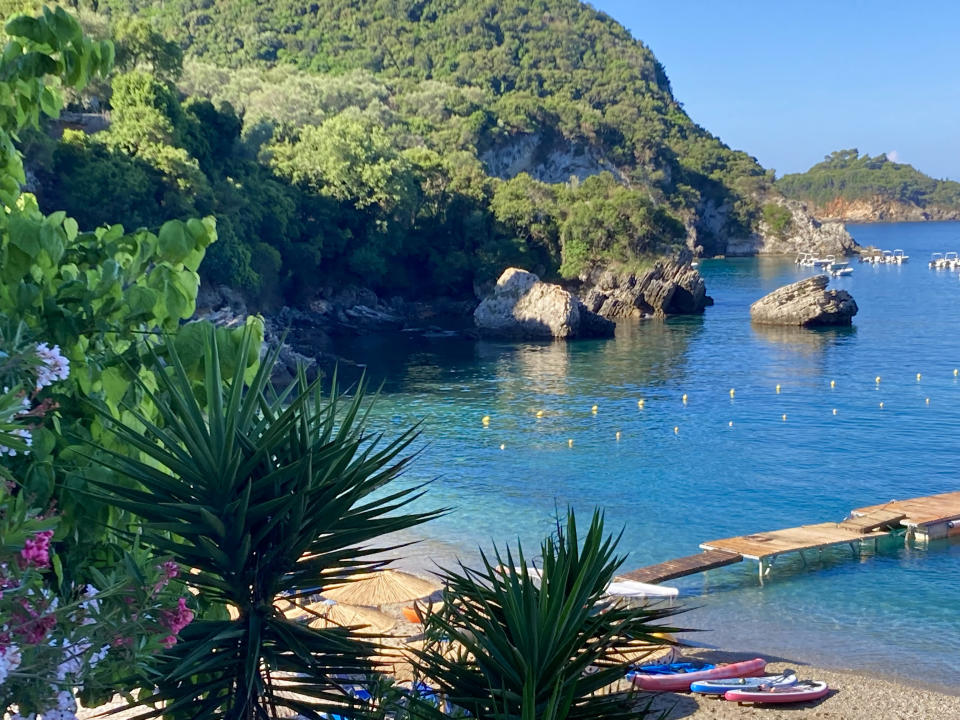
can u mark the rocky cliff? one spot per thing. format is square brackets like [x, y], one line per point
[877, 209]
[803, 233]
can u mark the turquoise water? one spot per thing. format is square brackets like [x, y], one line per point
[893, 611]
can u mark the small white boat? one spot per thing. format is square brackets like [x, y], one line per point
[950, 261]
[887, 258]
[839, 269]
[801, 258]
[936, 261]
[899, 258]
[641, 590]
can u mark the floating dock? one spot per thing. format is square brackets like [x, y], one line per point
[925, 518]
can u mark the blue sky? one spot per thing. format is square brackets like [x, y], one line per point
[790, 81]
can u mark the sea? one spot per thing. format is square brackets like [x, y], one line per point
[820, 422]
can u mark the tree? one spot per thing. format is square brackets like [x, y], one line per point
[266, 496]
[539, 643]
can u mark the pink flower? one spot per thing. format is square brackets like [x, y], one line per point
[176, 620]
[169, 641]
[36, 550]
[33, 627]
[168, 571]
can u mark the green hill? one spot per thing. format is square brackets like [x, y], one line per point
[847, 184]
[416, 147]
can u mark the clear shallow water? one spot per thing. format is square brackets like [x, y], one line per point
[894, 612]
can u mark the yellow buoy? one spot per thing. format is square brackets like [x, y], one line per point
[684, 398]
[539, 413]
[594, 409]
[640, 403]
[881, 405]
[618, 435]
[570, 442]
[833, 383]
[956, 372]
[918, 377]
[877, 379]
[732, 393]
[928, 401]
[784, 417]
[730, 424]
[676, 429]
[485, 420]
[834, 411]
[502, 446]
[778, 388]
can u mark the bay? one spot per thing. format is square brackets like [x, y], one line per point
[715, 466]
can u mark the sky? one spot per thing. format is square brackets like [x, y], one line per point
[789, 81]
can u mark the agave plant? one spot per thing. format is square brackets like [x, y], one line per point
[518, 643]
[263, 495]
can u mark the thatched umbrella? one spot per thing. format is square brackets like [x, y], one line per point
[340, 615]
[384, 587]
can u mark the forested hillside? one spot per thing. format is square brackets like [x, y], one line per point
[847, 183]
[413, 147]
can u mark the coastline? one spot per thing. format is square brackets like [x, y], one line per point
[424, 554]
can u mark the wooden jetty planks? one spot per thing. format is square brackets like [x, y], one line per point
[683, 566]
[882, 519]
[777, 542]
[921, 510]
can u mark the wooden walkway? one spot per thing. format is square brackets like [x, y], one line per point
[930, 517]
[689, 565]
[923, 512]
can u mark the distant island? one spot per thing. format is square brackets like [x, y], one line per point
[848, 186]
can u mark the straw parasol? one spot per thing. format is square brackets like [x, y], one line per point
[330, 614]
[384, 587]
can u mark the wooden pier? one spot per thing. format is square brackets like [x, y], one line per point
[931, 517]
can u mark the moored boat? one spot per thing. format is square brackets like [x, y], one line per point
[677, 677]
[803, 691]
[899, 258]
[936, 261]
[840, 269]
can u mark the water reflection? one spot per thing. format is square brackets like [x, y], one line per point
[804, 340]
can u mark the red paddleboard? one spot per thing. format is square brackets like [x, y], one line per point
[680, 682]
[801, 692]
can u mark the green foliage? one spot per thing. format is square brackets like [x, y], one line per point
[266, 497]
[522, 646]
[778, 218]
[359, 143]
[848, 175]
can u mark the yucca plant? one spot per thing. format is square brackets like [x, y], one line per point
[521, 644]
[263, 496]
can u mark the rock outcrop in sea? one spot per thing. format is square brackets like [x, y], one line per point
[671, 287]
[522, 306]
[804, 233]
[805, 303]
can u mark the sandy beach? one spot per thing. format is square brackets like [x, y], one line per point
[854, 696]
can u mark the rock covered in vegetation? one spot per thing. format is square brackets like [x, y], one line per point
[521, 306]
[807, 303]
[671, 287]
[787, 227]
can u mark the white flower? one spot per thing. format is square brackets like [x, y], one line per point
[21, 433]
[54, 365]
[59, 715]
[66, 701]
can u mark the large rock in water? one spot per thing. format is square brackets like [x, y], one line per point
[522, 306]
[672, 287]
[807, 303]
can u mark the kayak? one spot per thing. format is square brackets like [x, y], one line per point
[719, 687]
[680, 680]
[801, 692]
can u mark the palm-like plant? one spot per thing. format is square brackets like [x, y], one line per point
[539, 646]
[263, 495]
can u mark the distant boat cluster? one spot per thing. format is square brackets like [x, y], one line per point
[884, 257]
[828, 263]
[945, 261]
